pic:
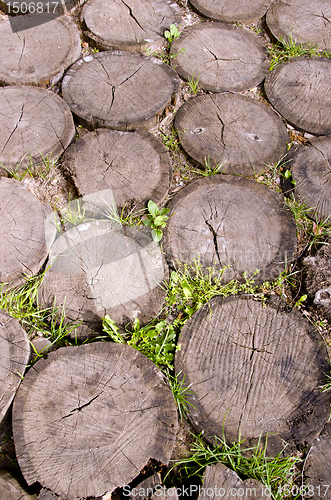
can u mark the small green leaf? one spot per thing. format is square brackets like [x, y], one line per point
[147, 222]
[287, 174]
[156, 234]
[167, 34]
[153, 208]
[164, 211]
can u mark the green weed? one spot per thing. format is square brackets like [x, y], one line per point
[173, 33]
[194, 84]
[180, 393]
[39, 171]
[209, 170]
[171, 140]
[156, 220]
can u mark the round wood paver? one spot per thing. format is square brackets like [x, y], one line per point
[260, 372]
[136, 25]
[230, 221]
[100, 268]
[317, 466]
[134, 165]
[241, 133]
[232, 11]
[22, 243]
[87, 419]
[119, 90]
[223, 58]
[300, 91]
[306, 21]
[35, 55]
[311, 171]
[35, 123]
[14, 356]
[10, 488]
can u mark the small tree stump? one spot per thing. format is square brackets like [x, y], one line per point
[311, 168]
[119, 90]
[303, 21]
[35, 123]
[221, 57]
[242, 134]
[318, 279]
[299, 91]
[14, 356]
[260, 372]
[134, 165]
[35, 55]
[22, 243]
[230, 221]
[317, 466]
[11, 490]
[88, 258]
[135, 25]
[88, 419]
[221, 482]
[229, 11]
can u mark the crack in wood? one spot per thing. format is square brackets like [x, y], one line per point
[15, 128]
[79, 408]
[132, 15]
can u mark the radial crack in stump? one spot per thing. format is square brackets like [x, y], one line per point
[232, 10]
[119, 90]
[230, 221]
[88, 419]
[260, 372]
[238, 133]
[300, 91]
[317, 466]
[11, 490]
[136, 25]
[220, 57]
[35, 124]
[134, 165]
[35, 55]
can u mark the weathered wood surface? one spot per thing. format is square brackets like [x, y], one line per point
[311, 171]
[14, 356]
[22, 243]
[34, 123]
[221, 482]
[300, 91]
[35, 55]
[306, 21]
[317, 466]
[101, 267]
[242, 134]
[134, 165]
[318, 279]
[230, 221]
[260, 372]
[222, 57]
[135, 25]
[119, 90]
[87, 419]
[46, 494]
[246, 11]
[10, 488]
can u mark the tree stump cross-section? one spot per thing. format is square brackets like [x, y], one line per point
[232, 11]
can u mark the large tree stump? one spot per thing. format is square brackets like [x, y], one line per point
[35, 123]
[134, 165]
[222, 57]
[10, 488]
[100, 268]
[35, 55]
[317, 466]
[14, 356]
[230, 221]
[260, 372]
[232, 11]
[311, 168]
[22, 244]
[119, 90]
[299, 91]
[136, 25]
[302, 20]
[88, 419]
[242, 134]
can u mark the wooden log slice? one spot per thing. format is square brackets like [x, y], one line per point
[22, 243]
[88, 258]
[317, 466]
[221, 482]
[311, 170]
[317, 274]
[242, 134]
[119, 90]
[14, 356]
[136, 25]
[230, 221]
[222, 57]
[299, 91]
[304, 21]
[134, 165]
[88, 419]
[260, 372]
[232, 11]
[10, 488]
[35, 123]
[35, 55]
